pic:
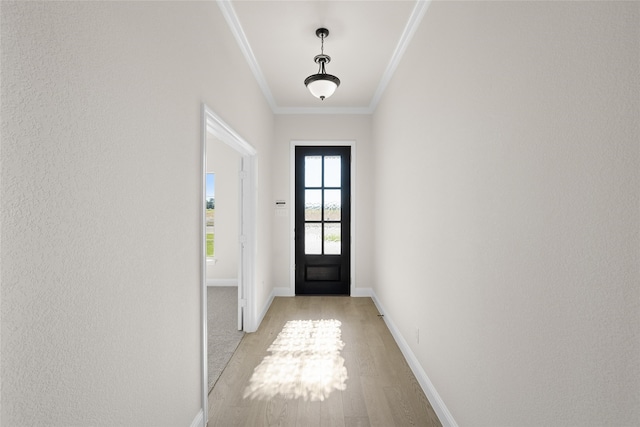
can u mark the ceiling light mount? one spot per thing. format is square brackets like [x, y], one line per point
[322, 33]
[322, 85]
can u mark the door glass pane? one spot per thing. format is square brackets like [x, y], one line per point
[332, 176]
[332, 239]
[313, 239]
[332, 204]
[312, 203]
[313, 171]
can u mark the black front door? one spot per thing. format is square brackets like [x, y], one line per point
[323, 220]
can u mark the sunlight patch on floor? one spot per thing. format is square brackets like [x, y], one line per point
[305, 363]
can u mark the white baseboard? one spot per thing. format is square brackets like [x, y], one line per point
[283, 292]
[198, 421]
[275, 292]
[427, 386]
[222, 282]
[361, 292]
[265, 309]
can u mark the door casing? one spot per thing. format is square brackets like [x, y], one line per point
[292, 219]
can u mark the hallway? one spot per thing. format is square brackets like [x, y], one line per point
[361, 377]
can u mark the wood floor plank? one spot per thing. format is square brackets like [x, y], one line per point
[364, 359]
[308, 414]
[281, 412]
[377, 405]
[230, 416]
[356, 422]
[332, 411]
[255, 414]
[380, 389]
[401, 410]
[352, 398]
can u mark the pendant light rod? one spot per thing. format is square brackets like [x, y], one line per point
[322, 33]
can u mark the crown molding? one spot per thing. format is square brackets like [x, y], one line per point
[238, 33]
[409, 30]
[413, 23]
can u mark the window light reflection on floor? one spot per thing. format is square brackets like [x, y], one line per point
[305, 363]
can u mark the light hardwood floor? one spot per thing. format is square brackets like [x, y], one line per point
[380, 389]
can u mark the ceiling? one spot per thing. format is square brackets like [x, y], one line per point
[366, 41]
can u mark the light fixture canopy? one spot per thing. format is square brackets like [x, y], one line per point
[322, 85]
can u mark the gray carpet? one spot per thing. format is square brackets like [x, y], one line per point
[222, 329]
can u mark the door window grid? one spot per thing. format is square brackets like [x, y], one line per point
[323, 205]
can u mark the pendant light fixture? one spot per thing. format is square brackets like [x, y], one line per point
[322, 85]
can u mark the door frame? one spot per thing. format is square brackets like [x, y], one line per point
[213, 124]
[292, 219]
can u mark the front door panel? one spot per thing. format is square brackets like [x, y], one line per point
[323, 220]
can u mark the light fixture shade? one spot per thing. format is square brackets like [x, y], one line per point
[322, 85]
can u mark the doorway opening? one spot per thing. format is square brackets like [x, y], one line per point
[213, 127]
[224, 312]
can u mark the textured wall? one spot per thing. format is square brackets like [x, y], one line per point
[101, 119]
[319, 128]
[507, 210]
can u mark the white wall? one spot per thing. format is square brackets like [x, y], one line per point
[322, 128]
[507, 210]
[101, 199]
[224, 161]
